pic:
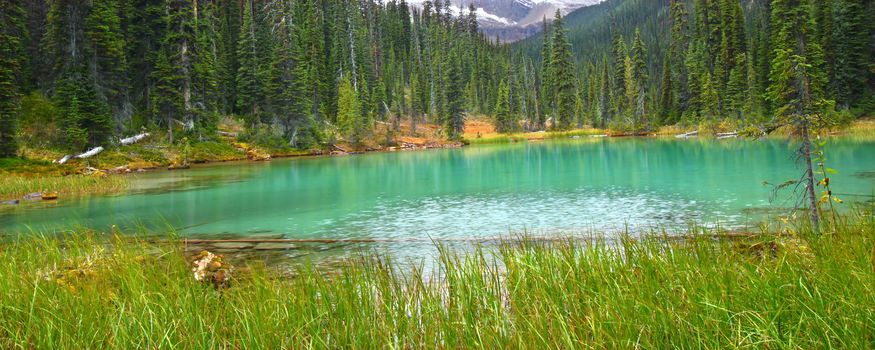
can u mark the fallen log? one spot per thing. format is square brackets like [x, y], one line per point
[689, 134]
[63, 160]
[227, 134]
[91, 153]
[340, 148]
[133, 139]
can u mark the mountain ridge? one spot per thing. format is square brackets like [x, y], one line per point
[513, 20]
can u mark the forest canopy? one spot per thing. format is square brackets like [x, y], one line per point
[302, 73]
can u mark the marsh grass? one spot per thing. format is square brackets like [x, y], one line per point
[16, 186]
[793, 290]
[531, 136]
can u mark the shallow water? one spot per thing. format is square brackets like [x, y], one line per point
[553, 187]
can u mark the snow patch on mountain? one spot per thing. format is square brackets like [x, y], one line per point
[512, 20]
[482, 15]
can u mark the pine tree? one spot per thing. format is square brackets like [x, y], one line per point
[107, 55]
[618, 97]
[639, 74]
[286, 96]
[455, 117]
[851, 55]
[11, 34]
[797, 83]
[680, 38]
[85, 120]
[503, 119]
[561, 70]
[227, 64]
[667, 111]
[205, 72]
[546, 95]
[167, 100]
[736, 88]
[348, 110]
[249, 76]
[710, 100]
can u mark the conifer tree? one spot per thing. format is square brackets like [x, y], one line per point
[561, 69]
[107, 56]
[503, 119]
[348, 110]
[736, 89]
[639, 74]
[677, 55]
[667, 97]
[618, 97]
[545, 96]
[709, 98]
[797, 83]
[167, 99]
[11, 33]
[249, 75]
[455, 117]
[851, 52]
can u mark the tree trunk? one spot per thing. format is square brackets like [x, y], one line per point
[805, 150]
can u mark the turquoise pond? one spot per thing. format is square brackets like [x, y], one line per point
[554, 187]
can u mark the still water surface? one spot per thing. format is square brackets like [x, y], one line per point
[556, 187]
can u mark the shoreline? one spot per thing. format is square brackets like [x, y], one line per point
[77, 174]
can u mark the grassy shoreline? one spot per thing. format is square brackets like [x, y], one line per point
[15, 186]
[862, 128]
[786, 288]
[24, 176]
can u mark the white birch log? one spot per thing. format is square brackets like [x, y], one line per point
[91, 153]
[689, 134]
[133, 139]
[63, 160]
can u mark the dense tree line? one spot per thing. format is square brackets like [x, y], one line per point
[301, 71]
[642, 64]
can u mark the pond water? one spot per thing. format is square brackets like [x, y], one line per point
[553, 187]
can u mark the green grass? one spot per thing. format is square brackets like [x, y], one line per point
[797, 290]
[521, 137]
[573, 133]
[33, 167]
[505, 138]
[16, 186]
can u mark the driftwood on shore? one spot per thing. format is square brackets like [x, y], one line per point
[91, 153]
[726, 135]
[689, 134]
[96, 150]
[133, 139]
[63, 160]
